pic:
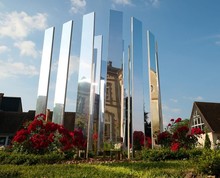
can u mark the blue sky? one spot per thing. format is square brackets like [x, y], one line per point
[188, 35]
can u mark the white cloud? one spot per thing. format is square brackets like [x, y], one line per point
[27, 48]
[217, 43]
[3, 49]
[18, 25]
[1, 5]
[77, 5]
[74, 64]
[171, 110]
[13, 69]
[54, 66]
[169, 113]
[154, 3]
[174, 100]
[122, 2]
[198, 98]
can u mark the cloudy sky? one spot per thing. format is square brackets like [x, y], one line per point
[188, 35]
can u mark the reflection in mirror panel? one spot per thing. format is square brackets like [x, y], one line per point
[114, 79]
[85, 77]
[137, 81]
[44, 77]
[98, 98]
[115, 48]
[97, 60]
[62, 73]
[155, 100]
[159, 91]
[101, 116]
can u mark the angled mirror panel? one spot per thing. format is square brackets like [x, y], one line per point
[159, 92]
[114, 79]
[115, 48]
[62, 73]
[97, 59]
[86, 77]
[137, 81]
[44, 77]
[101, 116]
[155, 99]
[98, 98]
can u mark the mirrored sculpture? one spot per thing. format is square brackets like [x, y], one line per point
[137, 97]
[44, 77]
[62, 73]
[154, 85]
[113, 106]
[85, 94]
[98, 94]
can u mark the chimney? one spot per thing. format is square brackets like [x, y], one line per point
[1, 96]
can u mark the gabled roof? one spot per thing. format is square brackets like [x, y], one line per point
[11, 104]
[11, 122]
[210, 113]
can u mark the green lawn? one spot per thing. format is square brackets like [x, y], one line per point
[101, 170]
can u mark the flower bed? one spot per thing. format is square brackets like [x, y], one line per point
[41, 137]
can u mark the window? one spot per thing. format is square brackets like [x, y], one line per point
[108, 91]
[2, 141]
[197, 121]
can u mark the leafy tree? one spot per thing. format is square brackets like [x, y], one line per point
[207, 144]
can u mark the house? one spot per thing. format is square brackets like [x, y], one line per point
[12, 118]
[206, 116]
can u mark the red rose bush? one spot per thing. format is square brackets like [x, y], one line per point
[178, 135]
[41, 137]
[140, 140]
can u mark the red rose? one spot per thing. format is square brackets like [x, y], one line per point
[175, 146]
[20, 136]
[178, 120]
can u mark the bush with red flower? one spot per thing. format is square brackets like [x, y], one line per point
[139, 140]
[178, 135]
[40, 136]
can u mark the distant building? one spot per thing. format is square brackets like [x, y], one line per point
[12, 118]
[113, 119]
[10, 104]
[206, 116]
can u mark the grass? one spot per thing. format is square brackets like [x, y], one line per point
[166, 169]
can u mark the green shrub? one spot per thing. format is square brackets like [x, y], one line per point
[51, 158]
[3, 156]
[167, 154]
[9, 173]
[30, 159]
[207, 144]
[195, 153]
[209, 162]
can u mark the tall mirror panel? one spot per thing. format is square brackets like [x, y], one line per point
[44, 77]
[98, 119]
[137, 98]
[113, 106]
[155, 99]
[62, 73]
[84, 106]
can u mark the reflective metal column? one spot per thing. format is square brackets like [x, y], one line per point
[44, 77]
[114, 79]
[86, 79]
[137, 97]
[154, 84]
[62, 73]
